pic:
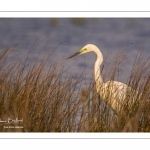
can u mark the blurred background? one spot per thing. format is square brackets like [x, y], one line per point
[65, 36]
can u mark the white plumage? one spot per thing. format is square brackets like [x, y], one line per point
[112, 92]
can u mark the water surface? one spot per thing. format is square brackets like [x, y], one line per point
[109, 34]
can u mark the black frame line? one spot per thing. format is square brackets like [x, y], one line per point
[76, 138]
[81, 138]
[75, 11]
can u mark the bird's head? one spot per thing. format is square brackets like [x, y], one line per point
[86, 49]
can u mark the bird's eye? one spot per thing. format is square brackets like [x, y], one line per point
[85, 49]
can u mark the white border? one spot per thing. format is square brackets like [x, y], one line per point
[49, 135]
[76, 5]
[44, 7]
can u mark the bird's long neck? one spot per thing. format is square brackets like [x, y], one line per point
[98, 77]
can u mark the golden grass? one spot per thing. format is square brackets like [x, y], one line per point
[47, 103]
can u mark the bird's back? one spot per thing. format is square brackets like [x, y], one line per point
[114, 93]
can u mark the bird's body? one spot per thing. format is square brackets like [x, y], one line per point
[112, 92]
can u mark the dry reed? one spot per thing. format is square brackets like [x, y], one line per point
[47, 103]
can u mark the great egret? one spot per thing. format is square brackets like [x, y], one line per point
[112, 92]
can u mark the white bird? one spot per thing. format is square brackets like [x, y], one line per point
[113, 92]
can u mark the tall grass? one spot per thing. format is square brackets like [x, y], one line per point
[47, 102]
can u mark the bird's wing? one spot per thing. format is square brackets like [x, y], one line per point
[116, 93]
[116, 86]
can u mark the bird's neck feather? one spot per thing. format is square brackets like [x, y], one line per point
[98, 77]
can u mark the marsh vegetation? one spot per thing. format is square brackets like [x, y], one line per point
[48, 103]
